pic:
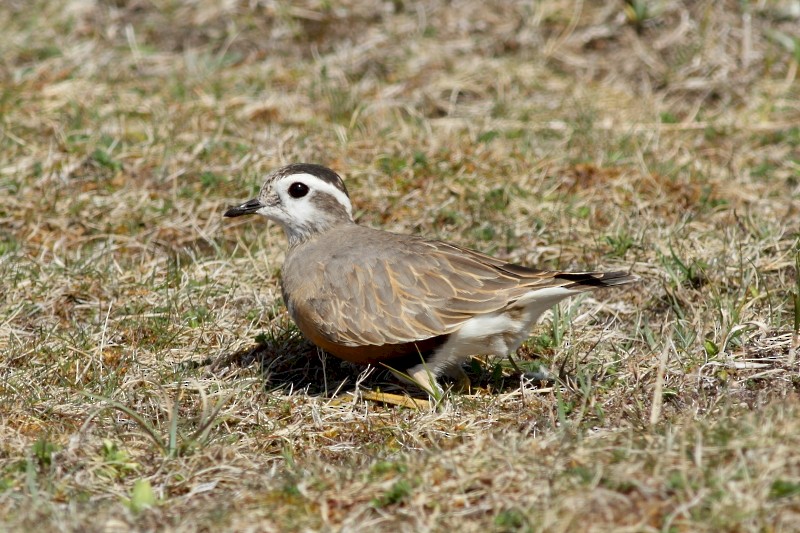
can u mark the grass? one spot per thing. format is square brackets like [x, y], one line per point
[151, 379]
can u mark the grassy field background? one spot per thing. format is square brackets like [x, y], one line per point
[151, 380]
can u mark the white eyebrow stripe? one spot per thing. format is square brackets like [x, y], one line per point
[323, 186]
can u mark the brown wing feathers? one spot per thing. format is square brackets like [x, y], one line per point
[422, 289]
[533, 278]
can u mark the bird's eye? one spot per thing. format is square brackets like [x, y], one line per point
[298, 190]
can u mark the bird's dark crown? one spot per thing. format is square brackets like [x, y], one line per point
[324, 173]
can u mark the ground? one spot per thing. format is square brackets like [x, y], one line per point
[151, 380]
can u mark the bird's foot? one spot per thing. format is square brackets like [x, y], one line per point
[425, 379]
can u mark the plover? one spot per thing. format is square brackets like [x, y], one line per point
[375, 297]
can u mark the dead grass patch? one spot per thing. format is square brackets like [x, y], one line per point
[151, 379]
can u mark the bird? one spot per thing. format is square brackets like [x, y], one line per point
[417, 305]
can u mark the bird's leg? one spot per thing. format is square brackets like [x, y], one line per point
[425, 378]
[514, 364]
[461, 379]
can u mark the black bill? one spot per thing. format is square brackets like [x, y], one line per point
[247, 208]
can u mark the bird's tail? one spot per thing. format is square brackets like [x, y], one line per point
[587, 281]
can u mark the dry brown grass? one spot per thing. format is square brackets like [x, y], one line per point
[151, 380]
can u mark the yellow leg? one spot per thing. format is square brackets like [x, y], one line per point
[426, 380]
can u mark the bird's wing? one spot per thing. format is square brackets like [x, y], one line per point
[422, 289]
